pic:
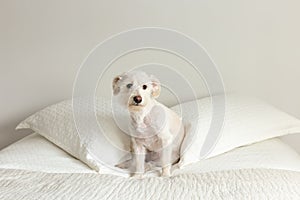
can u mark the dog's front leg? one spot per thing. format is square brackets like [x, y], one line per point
[166, 159]
[139, 155]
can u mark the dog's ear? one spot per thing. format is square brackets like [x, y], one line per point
[155, 86]
[116, 88]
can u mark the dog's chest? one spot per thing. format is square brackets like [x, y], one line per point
[143, 126]
[148, 125]
[146, 133]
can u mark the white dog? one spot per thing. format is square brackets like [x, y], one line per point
[156, 131]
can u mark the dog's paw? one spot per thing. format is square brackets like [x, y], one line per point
[166, 171]
[165, 174]
[138, 176]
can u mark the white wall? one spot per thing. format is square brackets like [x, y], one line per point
[42, 43]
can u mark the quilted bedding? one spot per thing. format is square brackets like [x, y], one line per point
[231, 184]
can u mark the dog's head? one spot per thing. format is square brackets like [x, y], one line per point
[136, 89]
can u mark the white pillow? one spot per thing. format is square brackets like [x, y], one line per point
[56, 123]
[247, 120]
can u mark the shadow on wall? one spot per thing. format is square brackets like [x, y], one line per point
[9, 135]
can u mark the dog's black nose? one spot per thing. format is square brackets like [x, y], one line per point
[137, 99]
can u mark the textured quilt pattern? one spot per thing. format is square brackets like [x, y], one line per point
[233, 184]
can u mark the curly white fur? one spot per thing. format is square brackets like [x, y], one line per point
[156, 131]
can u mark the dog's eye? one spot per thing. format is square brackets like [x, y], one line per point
[144, 87]
[129, 85]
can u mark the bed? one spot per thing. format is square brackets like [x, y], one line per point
[34, 168]
[248, 161]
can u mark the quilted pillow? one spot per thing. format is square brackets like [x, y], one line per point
[247, 120]
[56, 123]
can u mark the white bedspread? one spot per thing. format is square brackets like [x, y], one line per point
[34, 168]
[35, 153]
[233, 184]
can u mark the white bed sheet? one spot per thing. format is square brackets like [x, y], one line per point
[36, 153]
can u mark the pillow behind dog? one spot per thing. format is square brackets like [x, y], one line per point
[247, 120]
[56, 123]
